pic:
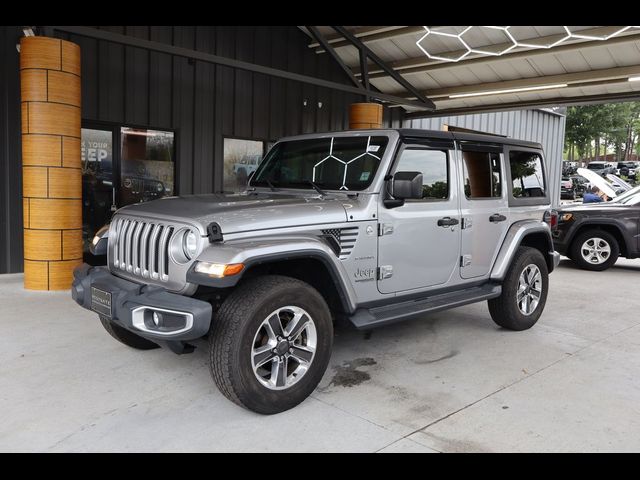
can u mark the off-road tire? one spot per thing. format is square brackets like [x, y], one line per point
[504, 309]
[576, 245]
[125, 336]
[234, 327]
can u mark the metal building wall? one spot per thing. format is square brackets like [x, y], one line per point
[206, 102]
[201, 101]
[10, 154]
[533, 125]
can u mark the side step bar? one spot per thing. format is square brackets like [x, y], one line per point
[365, 318]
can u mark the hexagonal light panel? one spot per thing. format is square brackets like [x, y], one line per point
[577, 32]
[554, 36]
[441, 43]
[499, 40]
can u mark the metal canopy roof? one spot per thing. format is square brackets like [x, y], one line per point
[543, 64]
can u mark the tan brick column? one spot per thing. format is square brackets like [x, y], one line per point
[52, 179]
[365, 115]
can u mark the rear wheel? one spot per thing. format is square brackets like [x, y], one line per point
[595, 250]
[125, 336]
[524, 291]
[270, 343]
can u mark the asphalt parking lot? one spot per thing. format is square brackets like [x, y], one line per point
[448, 382]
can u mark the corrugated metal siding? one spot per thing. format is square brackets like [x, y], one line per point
[10, 153]
[201, 101]
[532, 125]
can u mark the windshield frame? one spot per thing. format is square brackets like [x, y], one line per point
[374, 187]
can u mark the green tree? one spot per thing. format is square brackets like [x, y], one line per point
[614, 126]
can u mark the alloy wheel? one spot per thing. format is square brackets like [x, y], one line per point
[284, 347]
[595, 250]
[529, 289]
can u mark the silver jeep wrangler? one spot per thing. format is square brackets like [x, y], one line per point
[375, 226]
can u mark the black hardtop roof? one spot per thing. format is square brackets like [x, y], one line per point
[469, 137]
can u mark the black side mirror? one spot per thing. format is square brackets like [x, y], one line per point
[405, 185]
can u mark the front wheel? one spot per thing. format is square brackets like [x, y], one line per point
[270, 343]
[524, 291]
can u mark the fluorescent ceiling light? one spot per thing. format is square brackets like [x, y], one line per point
[634, 79]
[508, 90]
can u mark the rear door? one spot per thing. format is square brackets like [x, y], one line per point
[484, 206]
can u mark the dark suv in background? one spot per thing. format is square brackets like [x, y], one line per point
[596, 234]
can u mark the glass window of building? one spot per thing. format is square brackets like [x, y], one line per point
[241, 159]
[147, 165]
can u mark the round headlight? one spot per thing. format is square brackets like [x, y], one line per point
[190, 244]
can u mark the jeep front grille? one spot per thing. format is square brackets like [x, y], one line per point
[346, 238]
[141, 248]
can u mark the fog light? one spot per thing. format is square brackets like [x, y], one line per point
[161, 321]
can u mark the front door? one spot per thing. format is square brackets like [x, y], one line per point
[484, 208]
[419, 242]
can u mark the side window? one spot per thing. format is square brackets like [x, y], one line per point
[434, 168]
[527, 174]
[482, 174]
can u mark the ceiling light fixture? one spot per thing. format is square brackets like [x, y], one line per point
[462, 39]
[509, 90]
[634, 79]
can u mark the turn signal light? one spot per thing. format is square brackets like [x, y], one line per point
[219, 270]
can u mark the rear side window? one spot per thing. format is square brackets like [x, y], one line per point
[527, 174]
[482, 175]
[433, 166]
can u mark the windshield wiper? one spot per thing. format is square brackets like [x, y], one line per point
[316, 188]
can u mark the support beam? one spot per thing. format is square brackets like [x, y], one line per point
[585, 79]
[322, 41]
[396, 33]
[361, 33]
[229, 62]
[522, 105]
[393, 74]
[364, 69]
[422, 63]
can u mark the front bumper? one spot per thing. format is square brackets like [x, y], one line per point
[130, 300]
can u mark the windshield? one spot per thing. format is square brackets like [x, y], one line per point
[595, 166]
[626, 197]
[332, 163]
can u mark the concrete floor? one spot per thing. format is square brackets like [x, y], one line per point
[451, 382]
